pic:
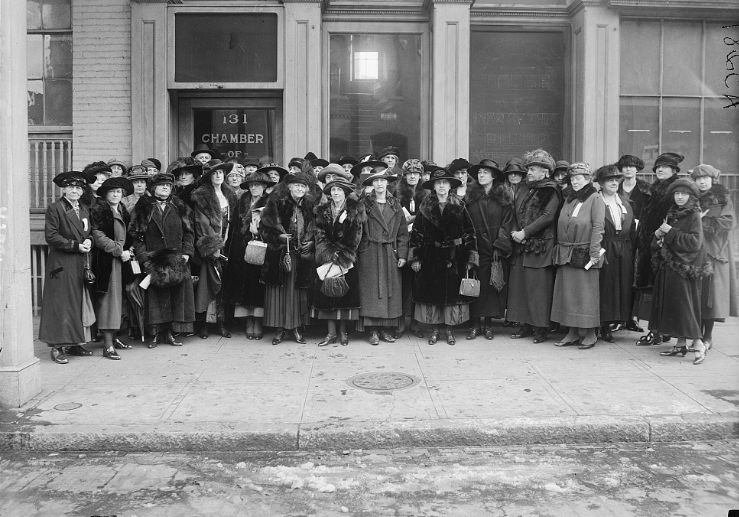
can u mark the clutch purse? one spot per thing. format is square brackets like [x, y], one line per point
[255, 252]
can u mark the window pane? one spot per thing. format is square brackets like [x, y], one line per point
[34, 56]
[58, 105]
[57, 14]
[58, 56]
[721, 136]
[639, 122]
[682, 63]
[516, 93]
[35, 103]
[640, 57]
[367, 115]
[225, 47]
[236, 133]
[721, 59]
[33, 14]
[681, 129]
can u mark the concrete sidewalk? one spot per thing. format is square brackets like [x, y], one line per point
[234, 394]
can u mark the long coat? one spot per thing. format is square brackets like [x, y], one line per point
[492, 217]
[152, 230]
[411, 200]
[617, 272]
[638, 197]
[61, 306]
[106, 249]
[445, 245]
[580, 226]
[536, 210]
[383, 243]
[337, 241]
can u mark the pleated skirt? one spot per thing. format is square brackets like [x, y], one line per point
[286, 306]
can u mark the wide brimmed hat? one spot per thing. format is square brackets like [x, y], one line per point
[218, 165]
[318, 162]
[379, 172]
[668, 159]
[248, 160]
[336, 170]
[196, 169]
[703, 170]
[457, 164]
[115, 161]
[91, 169]
[629, 160]
[515, 166]
[683, 184]
[441, 174]
[300, 177]
[203, 148]
[119, 182]
[474, 170]
[257, 177]
[152, 162]
[137, 172]
[70, 179]
[344, 160]
[539, 157]
[430, 166]
[561, 165]
[389, 150]
[607, 172]
[580, 168]
[160, 179]
[273, 167]
[347, 187]
[366, 161]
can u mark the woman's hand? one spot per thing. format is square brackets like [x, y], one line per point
[519, 236]
[186, 257]
[125, 256]
[401, 262]
[85, 246]
[416, 266]
[306, 248]
[665, 228]
[284, 237]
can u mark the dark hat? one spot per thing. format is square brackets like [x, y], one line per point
[115, 161]
[347, 159]
[336, 170]
[196, 169]
[257, 177]
[247, 161]
[539, 157]
[300, 177]
[705, 170]
[457, 164]
[212, 163]
[379, 172]
[607, 172]
[514, 165]
[296, 161]
[485, 164]
[111, 183]
[160, 179]
[685, 185]
[430, 166]
[148, 163]
[309, 156]
[318, 162]
[367, 160]
[272, 167]
[70, 179]
[137, 172]
[91, 169]
[412, 165]
[156, 163]
[203, 148]
[669, 159]
[218, 165]
[629, 160]
[388, 151]
[347, 187]
[560, 165]
[441, 174]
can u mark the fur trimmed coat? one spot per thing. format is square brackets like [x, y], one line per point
[106, 249]
[536, 210]
[445, 244]
[638, 197]
[337, 241]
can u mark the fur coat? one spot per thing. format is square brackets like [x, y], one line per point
[445, 244]
[106, 249]
[638, 197]
[405, 194]
[536, 214]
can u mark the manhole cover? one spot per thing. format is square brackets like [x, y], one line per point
[385, 381]
[67, 406]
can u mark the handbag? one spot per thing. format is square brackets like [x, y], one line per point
[497, 277]
[286, 263]
[255, 252]
[469, 286]
[334, 286]
[580, 257]
[87, 274]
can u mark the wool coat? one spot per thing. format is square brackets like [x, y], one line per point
[382, 244]
[61, 305]
[153, 229]
[410, 198]
[638, 197]
[106, 250]
[536, 210]
[617, 271]
[492, 217]
[445, 244]
[337, 241]
[580, 226]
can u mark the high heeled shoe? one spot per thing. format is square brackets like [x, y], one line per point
[450, 339]
[110, 353]
[649, 339]
[121, 345]
[298, 336]
[330, 339]
[58, 355]
[700, 352]
[279, 336]
[434, 337]
[344, 338]
[676, 350]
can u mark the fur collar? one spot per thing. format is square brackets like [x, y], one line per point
[245, 210]
[370, 201]
[659, 187]
[581, 195]
[354, 209]
[499, 193]
[430, 206]
[678, 212]
[146, 205]
[405, 192]
[716, 195]
[205, 201]
[103, 214]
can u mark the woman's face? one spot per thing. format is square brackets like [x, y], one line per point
[338, 196]
[117, 171]
[391, 160]
[234, 180]
[425, 176]
[578, 181]
[681, 197]
[461, 175]
[536, 172]
[441, 187]
[514, 178]
[256, 189]
[297, 190]
[203, 157]
[216, 178]
[348, 167]
[72, 192]
[249, 169]
[329, 178]
[609, 186]
[163, 190]
[628, 172]
[293, 169]
[274, 175]
[114, 196]
[139, 187]
[99, 178]
[485, 177]
[380, 185]
[412, 178]
[704, 183]
[186, 178]
[664, 171]
[559, 177]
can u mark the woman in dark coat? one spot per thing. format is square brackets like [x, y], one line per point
[338, 232]
[680, 264]
[242, 287]
[113, 248]
[719, 291]
[66, 307]
[161, 229]
[654, 211]
[490, 205]
[617, 271]
[289, 269]
[443, 250]
[214, 205]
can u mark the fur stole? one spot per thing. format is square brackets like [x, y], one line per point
[370, 201]
[245, 210]
[716, 195]
[145, 207]
[405, 193]
[678, 212]
[337, 238]
[581, 195]
[658, 189]
[499, 193]
[278, 211]
[102, 217]
[539, 194]
[204, 201]
[354, 211]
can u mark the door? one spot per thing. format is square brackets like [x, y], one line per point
[236, 127]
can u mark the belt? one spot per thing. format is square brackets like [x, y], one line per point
[448, 244]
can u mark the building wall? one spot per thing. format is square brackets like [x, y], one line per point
[102, 84]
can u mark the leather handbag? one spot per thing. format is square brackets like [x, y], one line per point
[469, 286]
[255, 252]
[87, 274]
[580, 257]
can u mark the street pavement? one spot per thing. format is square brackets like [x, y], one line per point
[234, 394]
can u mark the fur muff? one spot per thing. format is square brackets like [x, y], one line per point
[683, 248]
[209, 245]
[167, 268]
[339, 238]
[538, 196]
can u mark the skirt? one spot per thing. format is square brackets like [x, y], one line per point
[576, 298]
[676, 307]
[285, 306]
[433, 314]
[109, 306]
[530, 294]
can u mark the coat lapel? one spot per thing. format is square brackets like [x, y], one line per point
[75, 223]
[375, 213]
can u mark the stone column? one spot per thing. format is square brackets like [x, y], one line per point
[450, 105]
[302, 93]
[20, 378]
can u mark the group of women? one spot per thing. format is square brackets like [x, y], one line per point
[382, 248]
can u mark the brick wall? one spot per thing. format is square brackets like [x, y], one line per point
[102, 85]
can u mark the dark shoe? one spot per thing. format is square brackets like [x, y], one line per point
[606, 335]
[633, 326]
[374, 338]
[121, 345]
[258, 336]
[473, 333]
[155, 342]
[57, 355]
[110, 353]
[568, 343]
[666, 338]
[489, 334]
[171, 340]
[223, 331]
[585, 346]
[521, 332]
[397, 334]
[676, 350]
[328, 340]
[279, 336]
[386, 337]
[649, 339]
[416, 331]
[203, 331]
[450, 339]
[540, 337]
[344, 338]
[434, 337]
[298, 336]
[78, 350]
[249, 335]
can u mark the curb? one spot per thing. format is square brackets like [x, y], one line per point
[369, 434]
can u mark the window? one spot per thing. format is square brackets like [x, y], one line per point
[672, 93]
[49, 62]
[366, 66]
